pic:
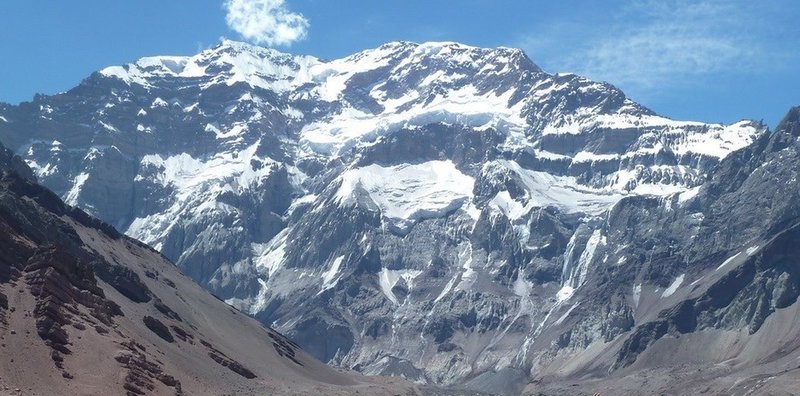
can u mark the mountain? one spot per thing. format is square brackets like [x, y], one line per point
[86, 310]
[712, 286]
[450, 214]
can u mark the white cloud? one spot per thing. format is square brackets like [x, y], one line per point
[676, 39]
[652, 43]
[267, 22]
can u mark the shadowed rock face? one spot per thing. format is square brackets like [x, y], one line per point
[107, 314]
[12, 163]
[742, 299]
[442, 212]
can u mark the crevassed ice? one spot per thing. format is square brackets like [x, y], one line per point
[410, 192]
[717, 141]
[544, 189]
[462, 106]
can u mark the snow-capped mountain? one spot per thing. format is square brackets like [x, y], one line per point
[86, 310]
[447, 213]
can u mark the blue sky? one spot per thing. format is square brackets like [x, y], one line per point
[716, 61]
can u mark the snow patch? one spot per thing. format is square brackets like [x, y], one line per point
[329, 278]
[726, 262]
[573, 274]
[75, 191]
[587, 156]
[410, 192]
[521, 287]
[673, 287]
[387, 279]
[565, 315]
[446, 289]
[271, 255]
[682, 137]
[565, 293]
[468, 274]
[544, 189]
[196, 185]
[688, 194]
[463, 105]
[510, 207]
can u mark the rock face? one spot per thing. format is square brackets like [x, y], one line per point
[85, 310]
[450, 214]
[696, 281]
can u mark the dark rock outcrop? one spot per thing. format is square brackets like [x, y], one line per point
[159, 328]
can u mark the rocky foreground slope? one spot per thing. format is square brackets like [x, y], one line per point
[85, 310]
[451, 214]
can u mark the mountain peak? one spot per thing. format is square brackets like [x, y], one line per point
[455, 51]
[787, 131]
[410, 183]
[229, 62]
[444, 44]
[791, 120]
[241, 47]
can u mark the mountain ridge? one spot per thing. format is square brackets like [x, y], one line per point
[84, 309]
[438, 212]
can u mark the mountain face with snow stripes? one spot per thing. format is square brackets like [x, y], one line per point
[447, 213]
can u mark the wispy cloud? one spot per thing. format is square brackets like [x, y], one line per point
[651, 43]
[268, 22]
[675, 39]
